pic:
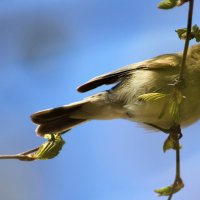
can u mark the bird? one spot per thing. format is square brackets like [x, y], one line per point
[123, 100]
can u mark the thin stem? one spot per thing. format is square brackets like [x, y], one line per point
[181, 81]
[18, 157]
[178, 176]
[188, 36]
[30, 151]
[178, 173]
[24, 156]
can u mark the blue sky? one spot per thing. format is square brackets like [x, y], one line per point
[48, 48]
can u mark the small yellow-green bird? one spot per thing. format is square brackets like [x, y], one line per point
[124, 100]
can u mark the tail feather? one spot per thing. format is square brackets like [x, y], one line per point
[58, 120]
[61, 119]
[58, 126]
[49, 115]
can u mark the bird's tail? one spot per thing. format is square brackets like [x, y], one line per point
[61, 119]
[58, 120]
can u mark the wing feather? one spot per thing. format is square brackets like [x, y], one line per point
[162, 62]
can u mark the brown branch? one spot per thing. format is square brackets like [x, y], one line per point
[181, 83]
[24, 156]
[188, 36]
[176, 136]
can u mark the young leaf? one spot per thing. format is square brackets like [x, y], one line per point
[196, 32]
[166, 191]
[152, 96]
[182, 33]
[174, 105]
[174, 110]
[181, 2]
[51, 148]
[167, 4]
[170, 144]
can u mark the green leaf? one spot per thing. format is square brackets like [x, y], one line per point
[167, 4]
[174, 105]
[166, 191]
[174, 101]
[181, 2]
[196, 33]
[174, 110]
[170, 143]
[182, 33]
[195, 28]
[152, 96]
[51, 148]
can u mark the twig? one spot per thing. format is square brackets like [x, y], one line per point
[24, 156]
[180, 83]
[176, 138]
[30, 151]
[188, 36]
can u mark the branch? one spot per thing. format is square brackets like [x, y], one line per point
[178, 181]
[47, 150]
[179, 84]
[188, 36]
[24, 156]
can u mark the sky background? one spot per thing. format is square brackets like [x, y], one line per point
[48, 48]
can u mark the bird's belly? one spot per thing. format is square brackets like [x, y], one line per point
[158, 113]
[151, 113]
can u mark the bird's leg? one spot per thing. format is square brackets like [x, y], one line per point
[175, 132]
[168, 131]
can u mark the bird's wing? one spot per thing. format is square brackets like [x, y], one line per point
[163, 62]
